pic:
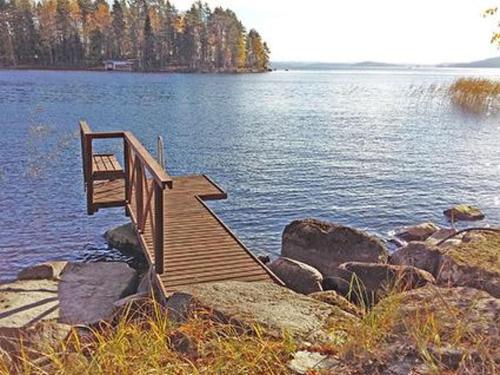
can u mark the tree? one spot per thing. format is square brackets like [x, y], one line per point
[153, 32]
[118, 26]
[148, 53]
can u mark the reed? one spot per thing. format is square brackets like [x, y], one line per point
[477, 95]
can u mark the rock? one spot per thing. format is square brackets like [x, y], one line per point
[333, 298]
[32, 341]
[303, 362]
[148, 282]
[341, 285]
[325, 245]
[28, 312]
[457, 329]
[181, 343]
[473, 236]
[87, 291]
[25, 302]
[464, 212]
[440, 235]
[47, 271]
[276, 308]
[297, 276]
[123, 238]
[374, 280]
[418, 232]
[474, 264]
[420, 255]
[264, 259]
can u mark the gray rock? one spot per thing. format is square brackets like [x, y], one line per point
[373, 280]
[25, 302]
[47, 271]
[441, 235]
[419, 232]
[333, 298]
[297, 276]
[464, 212]
[29, 311]
[420, 255]
[87, 291]
[456, 263]
[276, 308]
[123, 238]
[326, 245]
[304, 361]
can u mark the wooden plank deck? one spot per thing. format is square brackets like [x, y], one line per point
[198, 246]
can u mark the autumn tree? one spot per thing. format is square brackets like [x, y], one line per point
[153, 33]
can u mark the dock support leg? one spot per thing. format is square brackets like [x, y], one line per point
[159, 228]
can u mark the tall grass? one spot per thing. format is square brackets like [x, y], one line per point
[477, 95]
[148, 343]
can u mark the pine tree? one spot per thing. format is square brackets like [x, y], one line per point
[118, 25]
[148, 59]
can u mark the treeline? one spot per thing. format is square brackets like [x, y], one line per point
[152, 33]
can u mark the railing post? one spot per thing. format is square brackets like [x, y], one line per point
[126, 162]
[158, 241]
[139, 201]
[89, 179]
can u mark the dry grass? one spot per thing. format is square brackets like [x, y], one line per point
[428, 326]
[476, 95]
[151, 344]
[148, 343]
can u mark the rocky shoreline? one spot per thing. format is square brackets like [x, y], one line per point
[350, 306]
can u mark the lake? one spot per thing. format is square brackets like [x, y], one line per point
[376, 150]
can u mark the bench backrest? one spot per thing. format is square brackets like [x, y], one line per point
[86, 143]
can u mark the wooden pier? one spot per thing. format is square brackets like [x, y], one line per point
[184, 240]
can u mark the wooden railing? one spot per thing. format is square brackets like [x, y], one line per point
[145, 184]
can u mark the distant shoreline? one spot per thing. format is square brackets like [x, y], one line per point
[100, 69]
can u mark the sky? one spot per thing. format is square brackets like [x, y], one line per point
[393, 31]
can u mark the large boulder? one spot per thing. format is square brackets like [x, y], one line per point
[326, 245]
[371, 281]
[464, 212]
[38, 311]
[297, 276]
[277, 309]
[474, 264]
[123, 238]
[419, 232]
[87, 291]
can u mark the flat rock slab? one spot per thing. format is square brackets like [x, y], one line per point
[25, 302]
[274, 307]
[87, 291]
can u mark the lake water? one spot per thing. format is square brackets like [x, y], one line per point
[372, 149]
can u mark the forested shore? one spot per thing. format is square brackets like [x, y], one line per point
[151, 34]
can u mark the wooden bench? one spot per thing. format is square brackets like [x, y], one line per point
[106, 167]
[98, 167]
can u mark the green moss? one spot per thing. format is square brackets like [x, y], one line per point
[481, 252]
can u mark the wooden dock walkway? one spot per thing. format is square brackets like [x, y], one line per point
[185, 241]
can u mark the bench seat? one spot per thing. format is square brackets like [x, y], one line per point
[106, 167]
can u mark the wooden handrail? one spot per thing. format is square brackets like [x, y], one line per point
[150, 163]
[103, 135]
[142, 189]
